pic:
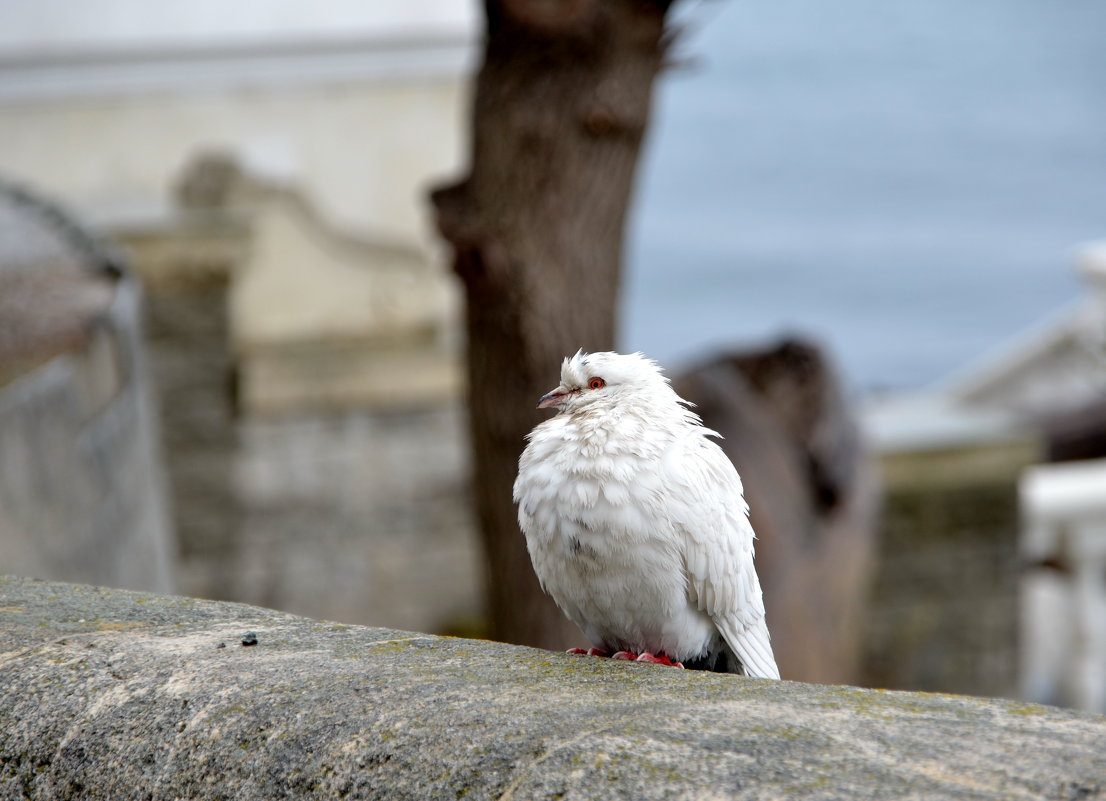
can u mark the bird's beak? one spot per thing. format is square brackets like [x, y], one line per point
[552, 398]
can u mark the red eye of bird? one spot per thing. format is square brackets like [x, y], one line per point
[596, 383]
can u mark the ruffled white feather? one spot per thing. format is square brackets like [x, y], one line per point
[636, 521]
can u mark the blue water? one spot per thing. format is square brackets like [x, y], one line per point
[903, 180]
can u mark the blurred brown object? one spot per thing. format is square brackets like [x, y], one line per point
[81, 492]
[51, 302]
[1078, 433]
[812, 493]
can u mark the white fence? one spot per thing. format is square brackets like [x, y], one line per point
[1063, 541]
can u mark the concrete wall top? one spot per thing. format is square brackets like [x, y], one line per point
[123, 695]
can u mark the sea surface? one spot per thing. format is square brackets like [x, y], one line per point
[905, 181]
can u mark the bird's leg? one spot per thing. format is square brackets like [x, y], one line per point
[629, 656]
[588, 652]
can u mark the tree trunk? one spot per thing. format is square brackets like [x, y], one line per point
[560, 108]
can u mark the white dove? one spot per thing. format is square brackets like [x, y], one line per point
[636, 522]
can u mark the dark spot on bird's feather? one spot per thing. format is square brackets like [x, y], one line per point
[582, 551]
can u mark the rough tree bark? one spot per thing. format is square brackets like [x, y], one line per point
[561, 105]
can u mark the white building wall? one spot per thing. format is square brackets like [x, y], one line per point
[364, 154]
[64, 24]
[360, 104]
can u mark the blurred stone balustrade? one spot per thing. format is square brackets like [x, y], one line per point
[310, 381]
[318, 317]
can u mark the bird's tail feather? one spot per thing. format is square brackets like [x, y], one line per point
[753, 648]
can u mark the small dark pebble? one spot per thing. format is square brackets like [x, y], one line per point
[249, 638]
[221, 645]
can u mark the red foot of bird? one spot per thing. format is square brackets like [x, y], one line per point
[629, 656]
[645, 656]
[658, 659]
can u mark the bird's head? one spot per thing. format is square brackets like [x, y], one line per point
[604, 379]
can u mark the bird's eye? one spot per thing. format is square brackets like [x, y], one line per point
[596, 383]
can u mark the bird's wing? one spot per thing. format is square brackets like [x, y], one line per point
[708, 510]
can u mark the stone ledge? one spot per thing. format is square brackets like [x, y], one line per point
[113, 694]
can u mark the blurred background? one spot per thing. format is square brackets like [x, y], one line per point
[231, 346]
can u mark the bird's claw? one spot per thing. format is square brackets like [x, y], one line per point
[659, 659]
[588, 652]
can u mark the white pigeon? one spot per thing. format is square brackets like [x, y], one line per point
[636, 522]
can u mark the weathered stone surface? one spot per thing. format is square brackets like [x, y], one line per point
[111, 694]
